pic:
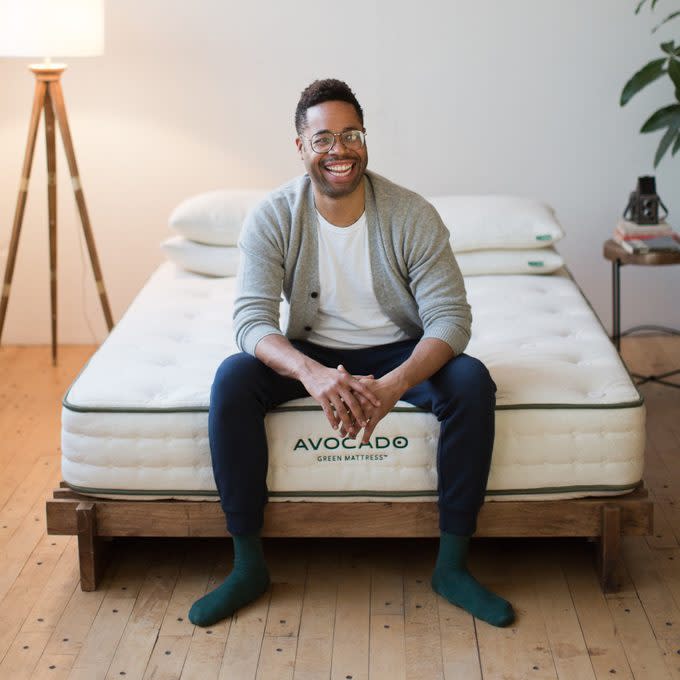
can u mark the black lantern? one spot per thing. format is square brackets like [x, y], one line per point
[643, 204]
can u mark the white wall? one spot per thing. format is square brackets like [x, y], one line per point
[460, 97]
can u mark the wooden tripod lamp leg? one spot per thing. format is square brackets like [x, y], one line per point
[52, 215]
[60, 111]
[38, 103]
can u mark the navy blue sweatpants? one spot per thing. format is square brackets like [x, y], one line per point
[461, 395]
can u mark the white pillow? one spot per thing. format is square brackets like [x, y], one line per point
[531, 261]
[223, 260]
[478, 222]
[215, 218]
[202, 259]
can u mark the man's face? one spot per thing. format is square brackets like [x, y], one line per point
[340, 171]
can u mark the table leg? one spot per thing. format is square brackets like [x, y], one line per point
[616, 304]
[661, 378]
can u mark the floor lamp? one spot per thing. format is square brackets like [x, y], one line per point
[64, 28]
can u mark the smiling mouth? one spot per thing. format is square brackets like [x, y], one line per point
[339, 169]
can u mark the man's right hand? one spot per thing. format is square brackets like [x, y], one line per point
[335, 391]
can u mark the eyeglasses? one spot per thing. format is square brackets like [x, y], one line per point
[323, 142]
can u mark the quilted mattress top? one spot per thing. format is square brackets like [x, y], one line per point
[538, 336]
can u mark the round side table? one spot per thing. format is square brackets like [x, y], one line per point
[618, 257]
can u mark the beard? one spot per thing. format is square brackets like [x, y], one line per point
[338, 187]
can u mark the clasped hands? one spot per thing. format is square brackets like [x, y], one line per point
[352, 402]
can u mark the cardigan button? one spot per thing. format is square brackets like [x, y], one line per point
[308, 328]
[315, 295]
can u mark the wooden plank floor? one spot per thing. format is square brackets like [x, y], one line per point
[345, 609]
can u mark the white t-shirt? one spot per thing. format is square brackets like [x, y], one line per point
[349, 313]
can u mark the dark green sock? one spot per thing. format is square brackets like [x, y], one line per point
[248, 579]
[453, 581]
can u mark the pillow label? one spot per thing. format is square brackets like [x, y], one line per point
[543, 237]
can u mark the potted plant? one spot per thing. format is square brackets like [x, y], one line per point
[667, 117]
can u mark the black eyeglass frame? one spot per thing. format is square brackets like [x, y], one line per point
[362, 136]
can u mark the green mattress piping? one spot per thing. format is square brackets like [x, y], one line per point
[362, 492]
[398, 409]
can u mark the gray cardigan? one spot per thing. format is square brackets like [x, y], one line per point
[416, 279]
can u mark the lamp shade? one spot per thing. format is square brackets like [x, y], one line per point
[51, 28]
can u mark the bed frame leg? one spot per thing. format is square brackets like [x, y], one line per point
[609, 548]
[92, 549]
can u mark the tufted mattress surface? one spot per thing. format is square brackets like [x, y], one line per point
[569, 421]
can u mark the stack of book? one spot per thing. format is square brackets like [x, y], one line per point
[647, 238]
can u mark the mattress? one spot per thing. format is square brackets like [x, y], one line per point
[569, 420]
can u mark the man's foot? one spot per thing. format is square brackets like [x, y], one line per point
[459, 587]
[248, 580]
[236, 592]
[452, 580]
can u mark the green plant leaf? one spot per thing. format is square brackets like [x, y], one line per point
[666, 20]
[665, 142]
[646, 75]
[639, 7]
[674, 71]
[676, 146]
[668, 47]
[668, 116]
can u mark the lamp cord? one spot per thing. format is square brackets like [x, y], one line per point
[83, 288]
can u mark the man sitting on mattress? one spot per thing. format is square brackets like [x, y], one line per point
[378, 313]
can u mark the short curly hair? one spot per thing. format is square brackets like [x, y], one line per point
[320, 91]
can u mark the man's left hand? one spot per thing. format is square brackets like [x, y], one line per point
[387, 389]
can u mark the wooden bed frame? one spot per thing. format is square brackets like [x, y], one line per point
[96, 520]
